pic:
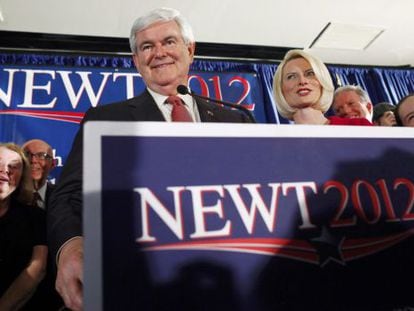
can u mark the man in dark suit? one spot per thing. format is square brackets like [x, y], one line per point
[163, 48]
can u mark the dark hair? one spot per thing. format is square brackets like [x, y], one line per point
[380, 109]
[397, 109]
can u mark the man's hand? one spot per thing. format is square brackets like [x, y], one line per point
[69, 280]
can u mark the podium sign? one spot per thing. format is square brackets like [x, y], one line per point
[248, 217]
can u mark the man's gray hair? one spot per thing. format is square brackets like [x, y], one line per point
[161, 15]
[363, 95]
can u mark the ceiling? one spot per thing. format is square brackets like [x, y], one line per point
[269, 23]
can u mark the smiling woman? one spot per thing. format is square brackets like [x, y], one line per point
[303, 90]
[404, 112]
[23, 250]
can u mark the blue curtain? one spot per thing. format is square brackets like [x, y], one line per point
[382, 84]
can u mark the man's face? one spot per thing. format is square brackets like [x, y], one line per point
[348, 104]
[11, 169]
[162, 58]
[406, 112]
[41, 161]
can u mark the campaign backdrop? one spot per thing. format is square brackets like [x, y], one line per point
[45, 95]
[248, 217]
[48, 102]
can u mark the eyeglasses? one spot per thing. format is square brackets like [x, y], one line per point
[38, 156]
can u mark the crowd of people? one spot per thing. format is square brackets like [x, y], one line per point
[163, 47]
[304, 92]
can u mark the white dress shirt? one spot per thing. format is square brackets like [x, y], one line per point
[42, 193]
[166, 109]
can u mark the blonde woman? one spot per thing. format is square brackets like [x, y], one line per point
[303, 91]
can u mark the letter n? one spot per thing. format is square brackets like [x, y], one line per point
[150, 201]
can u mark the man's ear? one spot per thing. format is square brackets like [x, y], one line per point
[191, 49]
[135, 60]
[370, 107]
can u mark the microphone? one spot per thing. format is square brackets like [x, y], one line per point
[183, 90]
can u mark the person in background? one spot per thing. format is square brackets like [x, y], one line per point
[23, 250]
[384, 115]
[163, 46]
[40, 155]
[404, 111]
[303, 90]
[351, 101]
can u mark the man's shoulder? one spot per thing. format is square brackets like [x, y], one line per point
[211, 112]
[118, 110]
[50, 186]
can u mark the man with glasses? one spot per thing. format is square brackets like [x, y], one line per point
[351, 101]
[40, 155]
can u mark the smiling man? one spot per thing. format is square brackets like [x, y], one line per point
[351, 101]
[163, 45]
[40, 155]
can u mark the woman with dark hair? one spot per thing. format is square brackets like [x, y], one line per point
[23, 250]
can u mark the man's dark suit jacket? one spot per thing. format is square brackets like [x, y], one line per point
[65, 205]
[49, 190]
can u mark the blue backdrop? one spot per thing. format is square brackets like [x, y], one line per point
[45, 96]
[257, 221]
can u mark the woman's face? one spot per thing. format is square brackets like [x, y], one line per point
[11, 168]
[300, 87]
[406, 112]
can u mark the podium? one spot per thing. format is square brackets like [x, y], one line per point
[247, 217]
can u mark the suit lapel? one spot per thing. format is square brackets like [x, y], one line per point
[144, 108]
[49, 189]
[207, 111]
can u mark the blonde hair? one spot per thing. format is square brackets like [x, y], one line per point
[321, 73]
[24, 191]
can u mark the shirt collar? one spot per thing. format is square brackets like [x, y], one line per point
[160, 99]
[187, 99]
[42, 191]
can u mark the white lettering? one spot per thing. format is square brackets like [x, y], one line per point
[129, 77]
[6, 97]
[300, 195]
[149, 200]
[200, 210]
[85, 86]
[30, 87]
[58, 159]
[257, 204]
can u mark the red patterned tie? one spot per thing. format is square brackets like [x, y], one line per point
[179, 113]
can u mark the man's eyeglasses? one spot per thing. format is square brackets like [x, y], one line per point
[38, 155]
